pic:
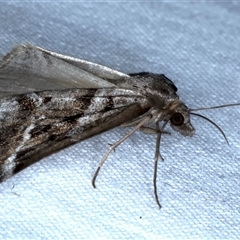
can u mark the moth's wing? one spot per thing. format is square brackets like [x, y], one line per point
[90, 67]
[28, 68]
[37, 124]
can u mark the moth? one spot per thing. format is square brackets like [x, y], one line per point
[49, 101]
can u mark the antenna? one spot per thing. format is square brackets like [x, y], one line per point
[191, 111]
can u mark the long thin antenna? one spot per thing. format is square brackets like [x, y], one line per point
[213, 123]
[214, 107]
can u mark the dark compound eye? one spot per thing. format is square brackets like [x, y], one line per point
[177, 119]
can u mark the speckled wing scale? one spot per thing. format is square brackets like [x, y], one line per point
[49, 101]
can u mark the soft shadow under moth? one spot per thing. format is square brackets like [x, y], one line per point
[49, 101]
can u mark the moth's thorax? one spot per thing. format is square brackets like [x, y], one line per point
[162, 94]
[157, 83]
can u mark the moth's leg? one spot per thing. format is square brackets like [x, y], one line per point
[149, 130]
[136, 121]
[156, 157]
[113, 146]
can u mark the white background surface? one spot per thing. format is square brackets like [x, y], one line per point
[197, 45]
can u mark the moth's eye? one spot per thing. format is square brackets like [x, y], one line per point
[177, 119]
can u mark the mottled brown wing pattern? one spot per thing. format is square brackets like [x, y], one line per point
[42, 123]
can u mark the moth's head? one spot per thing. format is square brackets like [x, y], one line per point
[178, 114]
[179, 118]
